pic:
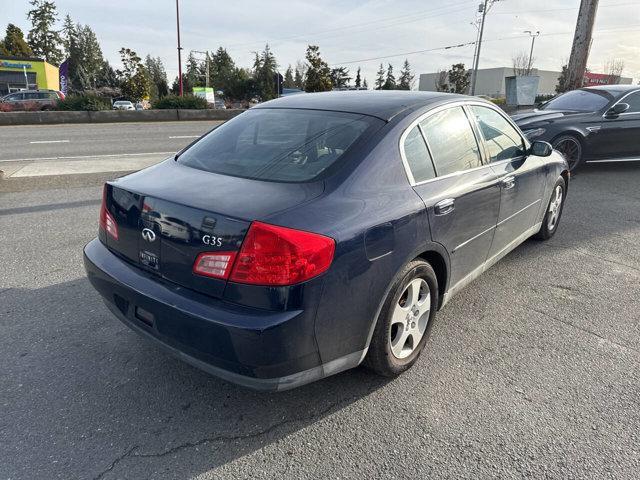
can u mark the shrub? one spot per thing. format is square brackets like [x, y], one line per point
[190, 102]
[84, 103]
[499, 101]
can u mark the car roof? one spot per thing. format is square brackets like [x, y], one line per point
[614, 88]
[383, 104]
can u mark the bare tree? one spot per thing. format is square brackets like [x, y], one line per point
[442, 81]
[522, 64]
[613, 68]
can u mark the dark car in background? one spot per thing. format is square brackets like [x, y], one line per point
[33, 99]
[593, 124]
[314, 232]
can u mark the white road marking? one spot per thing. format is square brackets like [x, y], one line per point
[50, 141]
[186, 136]
[87, 156]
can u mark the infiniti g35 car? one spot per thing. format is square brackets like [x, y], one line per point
[319, 231]
[594, 124]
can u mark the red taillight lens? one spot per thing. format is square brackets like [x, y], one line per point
[107, 223]
[214, 264]
[272, 255]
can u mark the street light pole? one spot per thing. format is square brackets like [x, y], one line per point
[478, 45]
[179, 48]
[533, 36]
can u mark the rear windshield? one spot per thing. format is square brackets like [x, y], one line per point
[580, 101]
[286, 145]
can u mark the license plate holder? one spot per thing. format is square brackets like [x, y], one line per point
[149, 260]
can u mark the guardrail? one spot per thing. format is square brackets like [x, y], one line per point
[112, 116]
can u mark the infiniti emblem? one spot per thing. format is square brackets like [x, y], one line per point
[148, 234]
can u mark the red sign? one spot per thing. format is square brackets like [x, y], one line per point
[595, 79]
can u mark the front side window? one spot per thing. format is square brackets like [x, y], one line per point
[634, 102]
[451, 141]
[417, 155]
[287, 145]
[502, 140]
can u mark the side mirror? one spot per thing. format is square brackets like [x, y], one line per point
[541, 149]
[617, 109]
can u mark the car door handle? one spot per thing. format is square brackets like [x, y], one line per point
[445, 206]
[508, 182]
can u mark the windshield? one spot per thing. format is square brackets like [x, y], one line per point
[580, 101]
[286, 145]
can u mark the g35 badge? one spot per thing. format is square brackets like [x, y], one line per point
[212, 241]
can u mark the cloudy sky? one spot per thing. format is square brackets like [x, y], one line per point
[355, 32]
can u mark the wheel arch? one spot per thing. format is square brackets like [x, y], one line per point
[440, 267]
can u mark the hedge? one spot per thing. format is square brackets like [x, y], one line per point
[84, 103]
[190, 102]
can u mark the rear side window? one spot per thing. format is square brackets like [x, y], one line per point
[502, 140]
[417, 155]
[451, 141]
[634, 102]
[287, 145]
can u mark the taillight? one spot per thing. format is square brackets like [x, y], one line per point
[107, 223]
[214, 264]
[272, 255]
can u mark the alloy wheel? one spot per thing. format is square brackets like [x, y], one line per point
[571, 150]
[554, 208]
[410, 318]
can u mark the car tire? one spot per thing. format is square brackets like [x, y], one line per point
[571, 148]
[553, 212]
[405, 320]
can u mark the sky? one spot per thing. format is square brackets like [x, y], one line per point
[354, 33]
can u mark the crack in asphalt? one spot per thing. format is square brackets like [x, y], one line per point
[130, 453]
[586, 330]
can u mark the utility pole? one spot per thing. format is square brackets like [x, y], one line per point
[179, 48]
[482, 8]
[581, 43]
[533, 36]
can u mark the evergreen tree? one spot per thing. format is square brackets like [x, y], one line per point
[134, 81]
[380, 78]
[390, 80]
[289, 82]
[405, 82]
[365, 85]
[68, 35]
[158, 86]
[301, 71]
[459, 78]
[340, 77]
[107, 77]
[318, 75]
[43, 39]
[194, 72]
[14, 44]
[358, 81]
[223, 73]
[265, 68]
[563, 85]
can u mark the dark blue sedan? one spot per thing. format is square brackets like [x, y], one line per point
[316, 232]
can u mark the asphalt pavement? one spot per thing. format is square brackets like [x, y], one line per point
[531, 371]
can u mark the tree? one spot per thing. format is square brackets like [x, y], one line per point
[301, 71]
[158, 86]
[390, 80]
[365, 85]
[459, 78]
[194, 72]
[265, 68]
[288, 78]
[563, 80]
[187, 87]
[84, 56]
[380, 78]
[522, 64]
[340, 77]
[318, 75]
[614, 68]
[134, 81]
[43, 39]
[358, 81]
[14, 44]
[441, 81]
[405, 82]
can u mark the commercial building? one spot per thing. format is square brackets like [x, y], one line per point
[491, 81]
[27, 73]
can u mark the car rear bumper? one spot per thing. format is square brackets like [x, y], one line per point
[255, 348]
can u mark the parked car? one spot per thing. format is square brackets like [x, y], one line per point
[123, 105]
[27, 99]
[324, 230]
[593, 124]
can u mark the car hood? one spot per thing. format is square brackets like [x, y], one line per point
[525, 119]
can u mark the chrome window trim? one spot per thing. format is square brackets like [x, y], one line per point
[439, 108]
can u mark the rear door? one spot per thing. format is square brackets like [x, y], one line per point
[617, 136]
[164, 237]
[460, 192]
[522, 178]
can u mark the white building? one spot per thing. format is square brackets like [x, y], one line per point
[491, 82]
